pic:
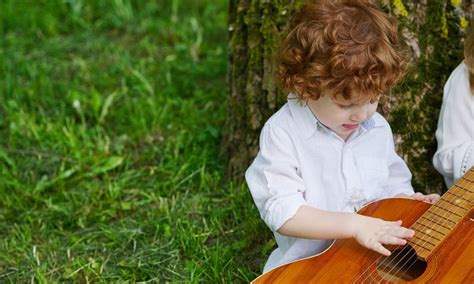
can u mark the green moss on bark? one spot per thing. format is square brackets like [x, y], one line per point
[414, 107]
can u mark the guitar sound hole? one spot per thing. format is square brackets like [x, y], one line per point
[402, 265]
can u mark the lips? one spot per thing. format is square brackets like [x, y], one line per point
[350, 126]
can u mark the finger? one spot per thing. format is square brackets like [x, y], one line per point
[401, 232]
[378, 247]
[434, 197]
[391, 240]
[390, 224]
[418, 196]
[390, 227]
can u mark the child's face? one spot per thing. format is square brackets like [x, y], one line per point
[340, 115]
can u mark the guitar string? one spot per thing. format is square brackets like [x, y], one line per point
[367, 270]
[461, 183]
[375, 263]
[406, 264]
[421, 223]
[445, 216]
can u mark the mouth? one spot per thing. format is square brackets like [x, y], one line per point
[350, 126]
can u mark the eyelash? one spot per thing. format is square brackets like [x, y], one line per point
[349, 106]
[345, 107]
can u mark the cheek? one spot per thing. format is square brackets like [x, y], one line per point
[340, 116]
[333, 116]
[372, 110]
[336, 112]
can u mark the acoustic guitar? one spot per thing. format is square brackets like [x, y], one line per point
[442, 250]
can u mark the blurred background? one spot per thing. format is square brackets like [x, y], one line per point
[111, 118]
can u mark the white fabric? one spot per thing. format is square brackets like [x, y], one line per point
[301, 162]
[455, 133]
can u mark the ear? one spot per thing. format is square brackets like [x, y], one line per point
[298, 85]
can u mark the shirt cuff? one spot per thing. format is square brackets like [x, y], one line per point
[468, 160]
[282, 209]
[463, 160]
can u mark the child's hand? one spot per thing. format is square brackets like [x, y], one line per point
[372, 233]
[431, 198]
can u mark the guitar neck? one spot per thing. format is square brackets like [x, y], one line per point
[441, 218]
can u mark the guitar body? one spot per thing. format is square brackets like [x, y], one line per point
[348, 262]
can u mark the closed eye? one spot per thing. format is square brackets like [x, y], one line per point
[344, 106]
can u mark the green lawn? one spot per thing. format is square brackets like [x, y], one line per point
[111, 119]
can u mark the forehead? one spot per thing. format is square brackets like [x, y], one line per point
[354, 99]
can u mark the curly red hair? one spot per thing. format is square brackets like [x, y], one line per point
[347, 48]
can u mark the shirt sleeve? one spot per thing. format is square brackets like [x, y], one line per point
[455, 132]
[273, 179]
[399, 176]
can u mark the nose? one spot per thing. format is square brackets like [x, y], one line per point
[359, 114]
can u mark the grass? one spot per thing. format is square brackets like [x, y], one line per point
[111, 121]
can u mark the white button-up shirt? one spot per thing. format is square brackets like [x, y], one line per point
[301, 162]
[455, 133]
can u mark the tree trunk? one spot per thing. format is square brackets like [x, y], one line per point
[432, 31]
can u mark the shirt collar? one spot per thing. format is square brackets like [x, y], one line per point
[302, 116]
[369, 123]
[309, 124]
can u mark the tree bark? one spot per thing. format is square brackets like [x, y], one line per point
[433, 32]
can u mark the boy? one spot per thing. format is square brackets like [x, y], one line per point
[327, 152]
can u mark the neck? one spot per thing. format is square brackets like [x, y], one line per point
[441, 218]
[343, 137]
